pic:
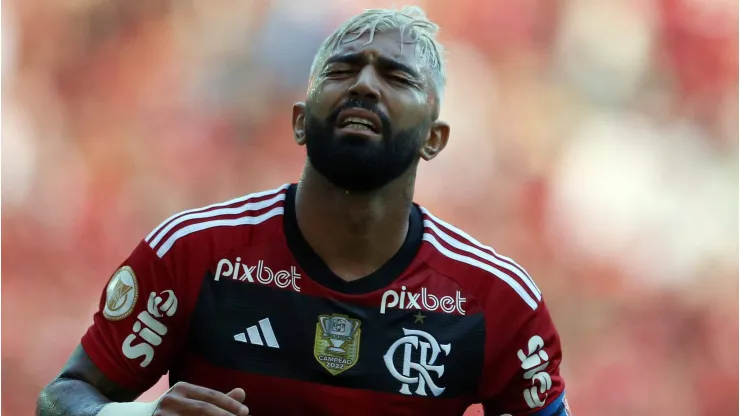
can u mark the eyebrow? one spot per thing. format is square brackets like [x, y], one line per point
[386, 63]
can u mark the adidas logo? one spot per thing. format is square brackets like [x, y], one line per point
[252, 335]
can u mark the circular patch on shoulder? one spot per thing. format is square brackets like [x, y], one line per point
[121, 294]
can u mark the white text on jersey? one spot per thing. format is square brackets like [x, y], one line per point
[258, 273]
[534, 364]
[149, 329]
[423, 300]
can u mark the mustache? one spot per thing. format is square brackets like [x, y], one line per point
[355, 103]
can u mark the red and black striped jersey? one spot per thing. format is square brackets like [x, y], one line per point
[232, 295]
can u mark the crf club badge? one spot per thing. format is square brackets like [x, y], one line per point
[121, 294]
[337, 343]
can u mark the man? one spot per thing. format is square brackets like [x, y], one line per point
[335, 296]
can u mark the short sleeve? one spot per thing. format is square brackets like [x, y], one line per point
[522, 374]
[139, 323]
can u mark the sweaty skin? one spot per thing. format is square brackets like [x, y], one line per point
[357, 232]
[80, 390]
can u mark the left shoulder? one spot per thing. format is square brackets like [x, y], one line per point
[494, 278]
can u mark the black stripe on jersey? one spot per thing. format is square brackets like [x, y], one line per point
[227, 308]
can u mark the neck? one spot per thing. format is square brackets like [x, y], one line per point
[353, 233]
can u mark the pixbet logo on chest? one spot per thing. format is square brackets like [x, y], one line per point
[258, 273]
[423, 300]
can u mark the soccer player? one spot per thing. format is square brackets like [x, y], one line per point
[334, 296]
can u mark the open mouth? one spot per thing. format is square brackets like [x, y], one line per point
[359, 124]
[359, 120]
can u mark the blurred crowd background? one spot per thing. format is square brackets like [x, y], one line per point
[596, 142]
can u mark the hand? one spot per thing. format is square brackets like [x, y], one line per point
[185, 399]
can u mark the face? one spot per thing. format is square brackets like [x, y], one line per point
[370, 114]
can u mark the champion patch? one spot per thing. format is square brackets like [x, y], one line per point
[121, 294]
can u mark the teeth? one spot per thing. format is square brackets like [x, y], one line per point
[358, 120]
[356, 126]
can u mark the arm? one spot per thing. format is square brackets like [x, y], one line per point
[81, 389]
[523, 376]
[136, 332]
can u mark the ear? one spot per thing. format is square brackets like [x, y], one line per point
[299, 123]
[436, 141]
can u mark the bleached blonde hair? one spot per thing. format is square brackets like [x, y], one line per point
[415, 29]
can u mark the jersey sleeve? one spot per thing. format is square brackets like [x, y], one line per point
[522, 374]
[139, 324]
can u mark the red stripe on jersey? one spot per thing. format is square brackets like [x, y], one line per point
[248, 212]
[470, 240]
[472, 246]
[459, 251]
[267, 394]
[155, 237]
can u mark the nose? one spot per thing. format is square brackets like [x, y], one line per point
[366, 85]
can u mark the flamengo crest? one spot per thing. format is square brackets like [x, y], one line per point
[425, 372]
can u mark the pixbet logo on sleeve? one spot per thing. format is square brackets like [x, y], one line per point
[422, 300]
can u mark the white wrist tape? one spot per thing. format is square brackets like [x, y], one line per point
[129, 409]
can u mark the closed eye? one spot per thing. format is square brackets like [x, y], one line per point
[403, 80]
[337, 72]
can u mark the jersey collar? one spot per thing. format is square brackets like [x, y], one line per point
[318, 271]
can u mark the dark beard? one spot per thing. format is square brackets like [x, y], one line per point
[354, 163]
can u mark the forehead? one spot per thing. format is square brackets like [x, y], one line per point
[386, 44]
